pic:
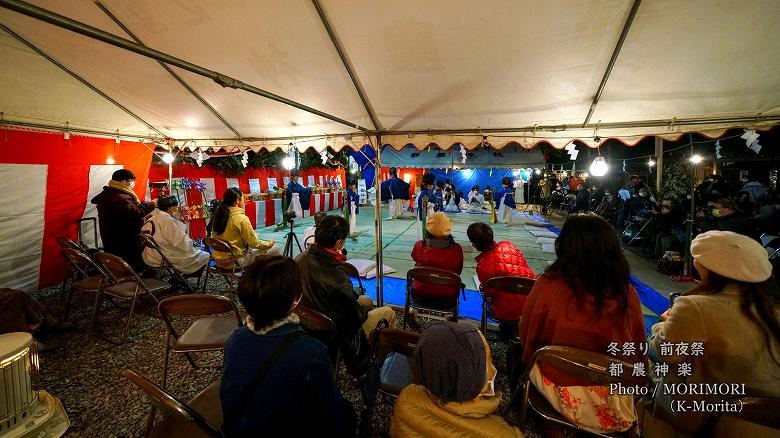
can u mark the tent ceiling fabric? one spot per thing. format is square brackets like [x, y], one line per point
[430, 65]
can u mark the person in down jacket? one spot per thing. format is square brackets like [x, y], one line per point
[438, 250]
[498, 259]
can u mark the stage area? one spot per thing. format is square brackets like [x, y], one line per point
[400, 235]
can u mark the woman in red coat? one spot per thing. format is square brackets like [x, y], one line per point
[498, 259]
[585, 300]
[438, 250]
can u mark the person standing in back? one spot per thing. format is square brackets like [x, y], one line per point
[121, 215]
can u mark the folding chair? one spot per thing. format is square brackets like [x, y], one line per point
[576, 362]
[201, 417]
[308, 242]
[321, 327]
[87, 276]
[352, 271]
[514, 285]
[166, 266]
[394, 349]
[772, 245]
[234, 273]
[127, 286]
[435, 276]
[219, 318]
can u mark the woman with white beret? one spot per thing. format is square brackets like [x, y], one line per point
[723, 330]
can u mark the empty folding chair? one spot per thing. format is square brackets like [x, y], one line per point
[127, 286]
[87, 276]
[201, 417]
[218, 319]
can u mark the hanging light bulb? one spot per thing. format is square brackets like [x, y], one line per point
[599, 167]
[651, 163]
[288, 162]
[167, 158]
[696, 159]
[110, 160]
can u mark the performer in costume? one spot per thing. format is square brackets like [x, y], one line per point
[396, 191]
[438, 195]
[425, 204]
[304, 194]
[352, 206]
[506, 201]
[476, 200]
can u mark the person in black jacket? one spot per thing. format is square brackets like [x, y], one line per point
[121, 215]
[298, 393]
[328, 290]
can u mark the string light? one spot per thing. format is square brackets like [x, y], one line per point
[168, 158]
[696, 159]
[651, 163]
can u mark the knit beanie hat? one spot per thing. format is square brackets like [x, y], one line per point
[438, 225]
[450, 361]
[732, 255]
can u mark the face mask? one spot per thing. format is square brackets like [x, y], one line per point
[642, 194]
[132, 184]
[489, 390]
[688, 196]
[715, 212]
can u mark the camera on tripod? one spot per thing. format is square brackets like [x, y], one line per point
[289, 216]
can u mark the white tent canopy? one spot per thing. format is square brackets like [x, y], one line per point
[444, 72]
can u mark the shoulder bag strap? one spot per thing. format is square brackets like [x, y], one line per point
[249, 389]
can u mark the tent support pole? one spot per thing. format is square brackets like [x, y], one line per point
[168, 69]
[615, 53]
[659, 163]
[348, 66]
[380, 298]
[58, 20]
[79, 78]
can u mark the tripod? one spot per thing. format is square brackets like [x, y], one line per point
[289, 237]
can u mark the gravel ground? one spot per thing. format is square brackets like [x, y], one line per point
[85, 371]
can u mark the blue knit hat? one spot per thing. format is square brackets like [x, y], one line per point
[450, 361]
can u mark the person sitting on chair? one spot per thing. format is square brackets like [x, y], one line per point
[454, 394]
[231, 224]
[329, 290]
[172, 239]
[438, 250]
[735, 277]
[299, 382]
[121, 215]
[308, 233]
[584, 300]
[498, 259]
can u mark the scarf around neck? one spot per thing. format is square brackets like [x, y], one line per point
[118, 186]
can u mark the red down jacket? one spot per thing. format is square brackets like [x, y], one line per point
[503, 259]
[442, 253]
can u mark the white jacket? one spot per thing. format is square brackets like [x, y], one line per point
[171, 236]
